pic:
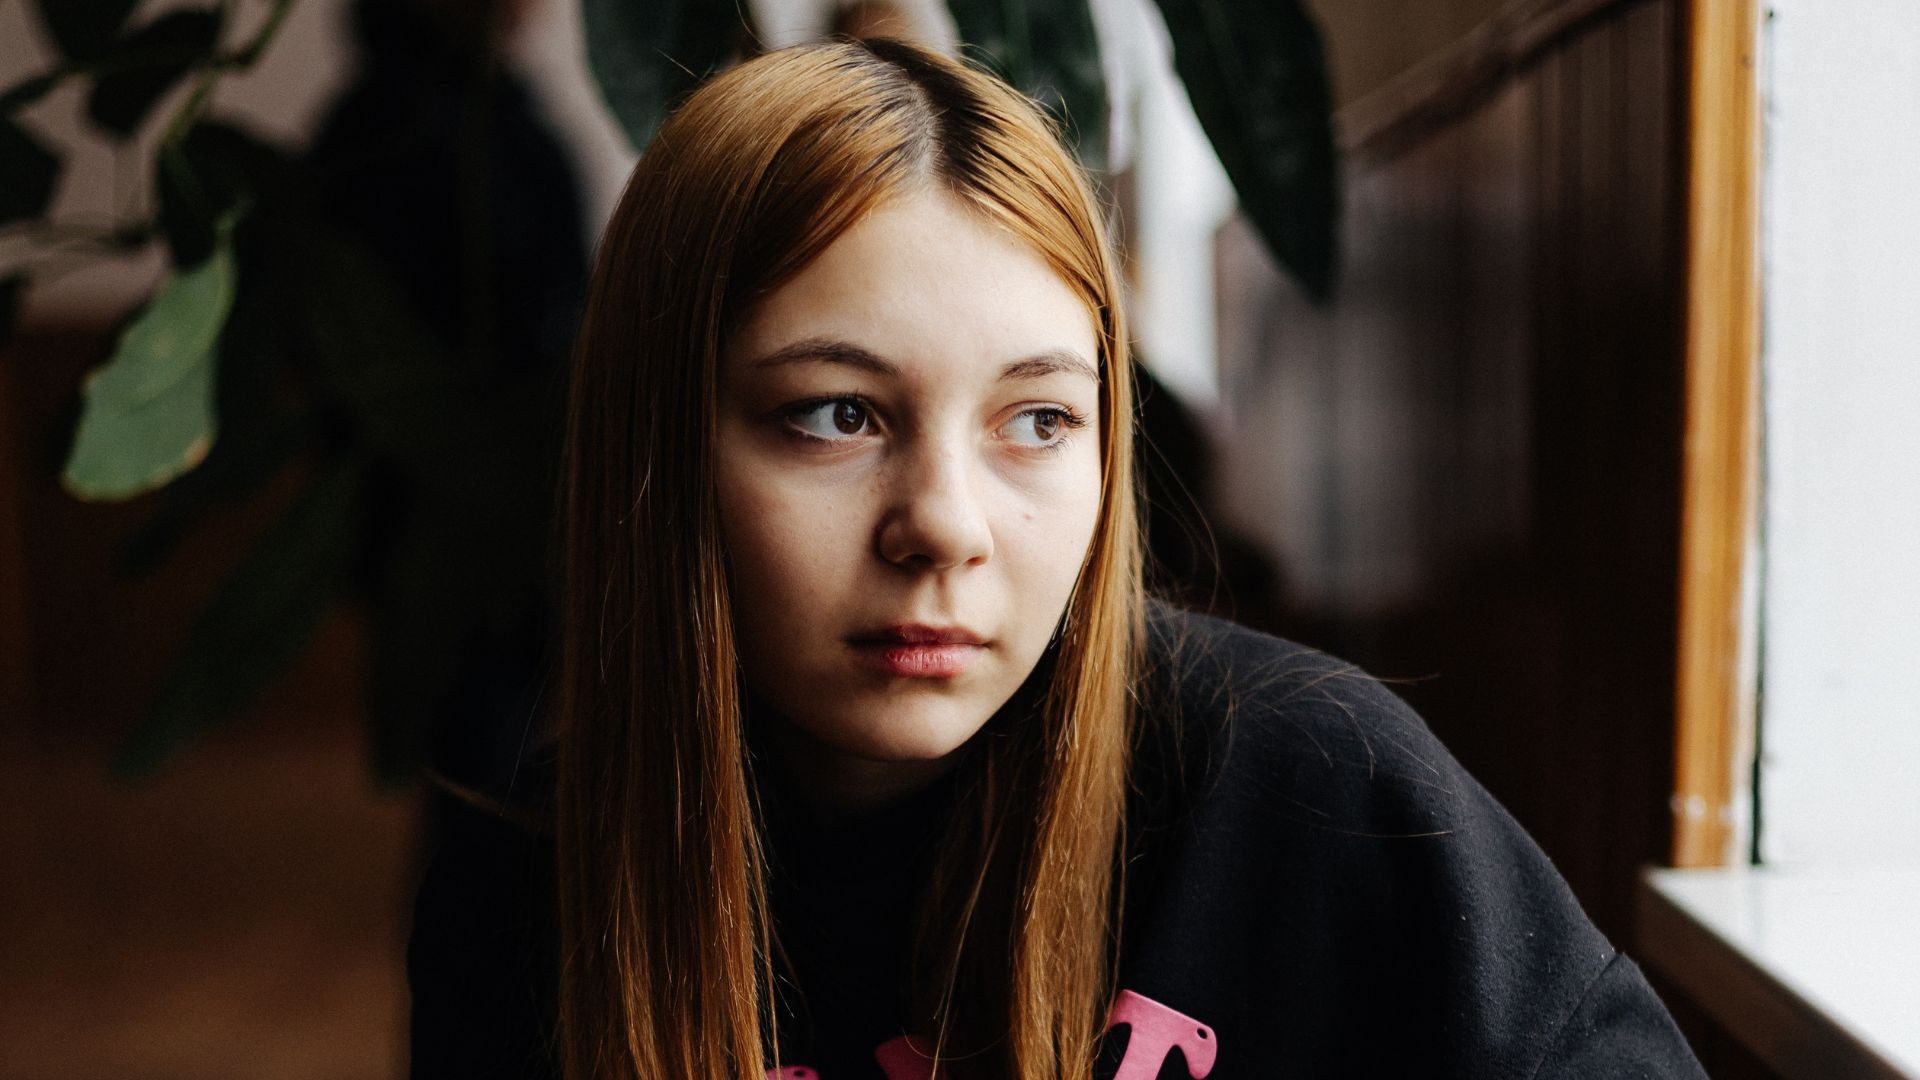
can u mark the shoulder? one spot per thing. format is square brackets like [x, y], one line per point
[1252, 710]
[1287, 744]
[1328, 859]
[481, 952]
[489, 852]
[1212, 669]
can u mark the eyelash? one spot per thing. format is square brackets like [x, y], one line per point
[1070, 419]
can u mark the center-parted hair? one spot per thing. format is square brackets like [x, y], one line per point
[667, 951]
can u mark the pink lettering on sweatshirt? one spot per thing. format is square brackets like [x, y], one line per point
[1154, 1032]
[900, 1059]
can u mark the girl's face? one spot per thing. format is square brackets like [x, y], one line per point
[909, 478]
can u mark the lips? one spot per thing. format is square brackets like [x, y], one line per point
[918, 634]
[918, 651]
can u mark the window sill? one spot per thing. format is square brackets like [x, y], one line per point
[1816, 971]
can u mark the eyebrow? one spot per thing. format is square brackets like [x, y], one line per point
[1056, 361]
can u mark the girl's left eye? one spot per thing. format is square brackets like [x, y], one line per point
[1048, 427]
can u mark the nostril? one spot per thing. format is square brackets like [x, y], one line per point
[1203, 1032]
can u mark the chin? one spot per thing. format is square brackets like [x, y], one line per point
[918, 736]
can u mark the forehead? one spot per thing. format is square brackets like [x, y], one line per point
[929, 283]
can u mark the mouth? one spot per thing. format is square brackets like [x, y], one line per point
[917, 651]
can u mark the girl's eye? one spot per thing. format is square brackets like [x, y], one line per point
[1045, 428]
[834, 420]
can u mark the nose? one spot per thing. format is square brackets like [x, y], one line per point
[935, 518]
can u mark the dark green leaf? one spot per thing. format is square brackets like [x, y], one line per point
[148, 412]
[645, 54]
[174, 44]
[383, 363]
[28, 171]
[459, 458]
[13, 288]
[233, 166]
[411, 399]
[84, 29]
[1258, 81]
[257, 624]
[187, 212]
[26, 92]
[202, 187]
[1047, 48]
[464, 452]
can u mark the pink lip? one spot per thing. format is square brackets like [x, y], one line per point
[917, 651]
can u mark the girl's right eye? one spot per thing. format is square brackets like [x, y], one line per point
[832, 420]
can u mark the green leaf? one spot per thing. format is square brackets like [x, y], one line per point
[28, 171]
[1257, 78]
[257, 624]
[174, 43]
[1047, 48]
[148, 412]
[84, 29]
[645, 54]
[262, 431]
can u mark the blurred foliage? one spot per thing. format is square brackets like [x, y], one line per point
[85, 30]
[1049, 50]
[648, 54]
[1254, 70]
[28, 171]
[153, 59]
[276, 346]
[1256, 74]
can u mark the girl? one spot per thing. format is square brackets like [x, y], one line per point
[872, 759]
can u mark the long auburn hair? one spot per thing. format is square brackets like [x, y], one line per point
[668, 953]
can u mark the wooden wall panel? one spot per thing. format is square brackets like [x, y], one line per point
[1472, 480]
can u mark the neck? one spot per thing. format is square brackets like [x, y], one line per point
[833, 785]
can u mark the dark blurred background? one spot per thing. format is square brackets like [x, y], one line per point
[1461, 471]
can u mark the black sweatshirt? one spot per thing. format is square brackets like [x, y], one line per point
[1315, 888]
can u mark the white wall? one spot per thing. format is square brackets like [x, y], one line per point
[1840, 720]
[1182, 195]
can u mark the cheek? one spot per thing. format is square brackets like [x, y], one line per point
[1048, 539]
[786, 548]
